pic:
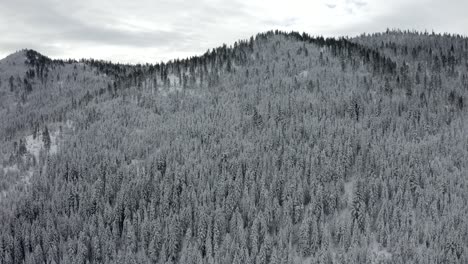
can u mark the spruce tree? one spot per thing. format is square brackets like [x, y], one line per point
[46, 138]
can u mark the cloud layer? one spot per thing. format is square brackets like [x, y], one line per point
[151, 31]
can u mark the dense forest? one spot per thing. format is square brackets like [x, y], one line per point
[282, 148]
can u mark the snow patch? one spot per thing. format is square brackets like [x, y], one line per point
[174, 80]
[70, 125]
[379, 254]
[34, 145]
[303, 74]
[174, 86]
[171, 90]
[13, 168]
[26, 179]
[23, 179]
[136, 161]
[53, 142]
[348, 188]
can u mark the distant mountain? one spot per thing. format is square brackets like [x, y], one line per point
[282, 148]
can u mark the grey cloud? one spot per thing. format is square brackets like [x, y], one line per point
[288, 22]
[49, 24]
[353, 5]
[60, 28]
[356, 3]
[40, 23]
[154, 38]
[413, 16]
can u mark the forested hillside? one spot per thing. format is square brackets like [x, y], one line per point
[283, 148]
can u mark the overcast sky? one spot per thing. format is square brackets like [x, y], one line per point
[139, 31]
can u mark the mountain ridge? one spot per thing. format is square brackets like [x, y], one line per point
[282, 148]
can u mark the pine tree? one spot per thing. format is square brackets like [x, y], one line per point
[22, 147]
[11, 82]
[46, 138]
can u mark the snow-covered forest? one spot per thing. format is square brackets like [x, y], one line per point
[282, 148]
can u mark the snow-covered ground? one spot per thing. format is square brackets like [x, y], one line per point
[18, 179]
[174, 86]
[379, 253]
[303, 74]
[349, 190]
[8, 169]
[34, 145]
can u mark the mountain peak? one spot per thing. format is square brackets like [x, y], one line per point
[27, 56]
[15, 57]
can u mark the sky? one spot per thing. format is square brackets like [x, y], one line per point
[150, 31]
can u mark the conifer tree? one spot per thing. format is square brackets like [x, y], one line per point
[46, 138]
